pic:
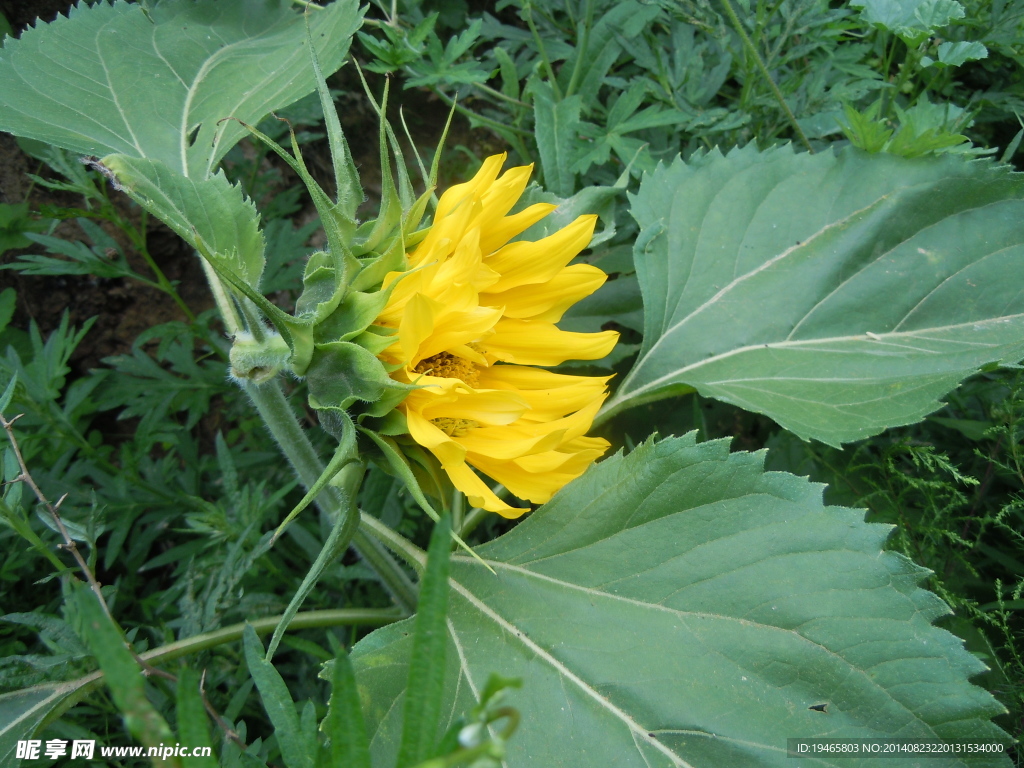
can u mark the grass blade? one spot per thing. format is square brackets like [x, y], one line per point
[122, 675]
[425, 690]
[192, 724]
[278, 703]
[347, 728]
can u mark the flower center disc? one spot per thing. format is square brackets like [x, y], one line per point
[447, 366]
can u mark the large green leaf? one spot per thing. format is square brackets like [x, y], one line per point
[838, 294]
[681, 607]
[155, 82]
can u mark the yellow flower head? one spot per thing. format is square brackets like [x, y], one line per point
[473, 315]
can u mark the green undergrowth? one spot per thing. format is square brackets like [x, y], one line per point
[170, 484]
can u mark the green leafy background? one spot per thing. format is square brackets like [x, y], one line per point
[677, 605]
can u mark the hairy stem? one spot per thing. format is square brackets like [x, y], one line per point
[397, 543]
[223, 300]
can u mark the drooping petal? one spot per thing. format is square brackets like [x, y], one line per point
[543, 475]
[478, 494]
[548, 301]
[510, 226]
[534, 343]
[525, 263]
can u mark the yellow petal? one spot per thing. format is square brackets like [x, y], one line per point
[535, 343]
[417, 324]
[465, 266]
[505, 229]
[549, 395]
[527, 378]
[458, 193]
[466, 352]
[478, 494]
[455, 327]
[573, 463]
[504, 443]
[548, 301]
[429, 327]
[572, 425]
[445, 233]
[546, 472]
[448, 451]
[499, 197]
[485, 407]
[524, 263]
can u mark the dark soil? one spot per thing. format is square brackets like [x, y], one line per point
[21, 13]
[122, 308]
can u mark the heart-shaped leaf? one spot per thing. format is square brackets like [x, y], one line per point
[838, 294]
[681, 607]
[191, 64]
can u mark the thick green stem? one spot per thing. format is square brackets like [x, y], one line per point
[279, 418]
[752, 50]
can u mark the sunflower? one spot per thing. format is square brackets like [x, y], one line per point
[472, 316]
